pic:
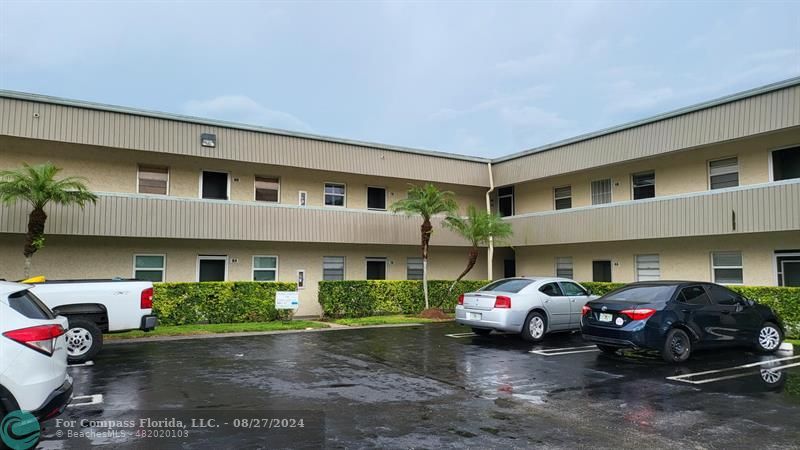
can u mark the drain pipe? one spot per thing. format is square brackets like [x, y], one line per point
[490, 250]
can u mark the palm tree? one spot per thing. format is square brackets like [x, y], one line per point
[38, 186]
[479, 228]
[426, 201]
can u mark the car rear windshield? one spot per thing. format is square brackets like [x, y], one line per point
[513, 285]
[29, 305]
[642, 294]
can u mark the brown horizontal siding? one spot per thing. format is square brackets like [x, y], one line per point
[746, 117]
[762, 208]
[163, 217]
[117, 130]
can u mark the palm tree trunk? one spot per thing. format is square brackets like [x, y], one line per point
[26, 273]
[33, 240]
[426, 229]
[473, 258]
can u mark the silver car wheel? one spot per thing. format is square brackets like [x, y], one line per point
[79, 341]
[536, 327]
[769, 338]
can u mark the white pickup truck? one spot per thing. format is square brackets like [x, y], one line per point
[94, 307]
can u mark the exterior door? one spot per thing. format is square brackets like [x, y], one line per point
[601, 271]
[509, 268]
[791, 273]
[376, 269]
[212, 268]
[557, 305]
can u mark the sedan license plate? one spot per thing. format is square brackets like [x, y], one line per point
[605, 317]
[477, 316]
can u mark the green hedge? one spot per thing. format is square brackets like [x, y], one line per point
[218, 302]
[372, 297]
[785, 301]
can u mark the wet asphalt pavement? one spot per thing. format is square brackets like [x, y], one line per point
[417, 387]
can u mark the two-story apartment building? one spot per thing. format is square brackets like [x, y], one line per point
[709, 192]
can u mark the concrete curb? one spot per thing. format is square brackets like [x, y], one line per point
[338, 327]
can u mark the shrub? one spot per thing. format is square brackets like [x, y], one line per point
[785, 301]
[374, 297]
[218, 302]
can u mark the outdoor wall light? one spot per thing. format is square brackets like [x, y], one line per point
[208, 140]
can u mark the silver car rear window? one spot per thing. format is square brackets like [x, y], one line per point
[512, 286]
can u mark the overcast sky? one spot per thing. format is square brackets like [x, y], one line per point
[479, 78]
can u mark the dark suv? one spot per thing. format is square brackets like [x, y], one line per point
[676, 317]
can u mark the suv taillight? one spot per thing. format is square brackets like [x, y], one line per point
[41, 338]
[501, 301]
[639, 313]
[461, 299]
[585, 310]
[147, 299]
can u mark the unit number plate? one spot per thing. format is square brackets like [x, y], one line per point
[605, 317]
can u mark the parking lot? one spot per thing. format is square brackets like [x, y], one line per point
[439, 385]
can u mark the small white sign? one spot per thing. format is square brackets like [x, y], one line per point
[286, 300]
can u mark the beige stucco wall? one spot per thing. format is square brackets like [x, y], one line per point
[676, 173]
[680, 258]
[115, 170]
[83, 257]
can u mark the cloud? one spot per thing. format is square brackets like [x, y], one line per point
[533, 117]
[242, 109]
[628, 98]
[531, 93]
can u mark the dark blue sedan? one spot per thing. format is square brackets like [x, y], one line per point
[677, 317]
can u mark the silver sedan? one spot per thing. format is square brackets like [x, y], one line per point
[531, 306]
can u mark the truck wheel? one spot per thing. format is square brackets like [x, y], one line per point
[84, 340]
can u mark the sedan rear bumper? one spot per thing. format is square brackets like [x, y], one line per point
[493, 319]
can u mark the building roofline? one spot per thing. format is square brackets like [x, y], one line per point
[667, 115]
[795, 81]
[27, 96]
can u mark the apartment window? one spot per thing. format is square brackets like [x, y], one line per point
[648, 268]
[153, 180]
[601, 191]
[267, 189]
[644, 185]
[149, 267]
[564, 267]
[723, 173]
[376, 268]
[376, 198]
[788, 267]
[414, 268]
[505, 201]
[786, 164]
[563, 197]
[333, 268]
[727, 267]
[334, 194]
[265, 268]
[214, 185]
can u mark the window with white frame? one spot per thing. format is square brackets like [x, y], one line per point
[149, 267]
[335, 194]
[153, 180]
[643, 185]
[648, 267]
[564, 267]
[727, 267]
[333, 268]
[723, 173]
[265, 268]
[562, 197]
[601, 191]
[267, 189]
[414, 268]
[505, 201]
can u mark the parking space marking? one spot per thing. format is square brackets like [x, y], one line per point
[685, 378]
[565, 350]
[86, 400]
[461, 335]
[86, 364]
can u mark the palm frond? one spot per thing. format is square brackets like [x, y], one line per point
[478, 227]
[37, 185]
[426, 201]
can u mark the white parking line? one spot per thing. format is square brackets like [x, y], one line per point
[685, 378]
[565, 350]
[461, 335]
[86, 364]
[86, 400]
